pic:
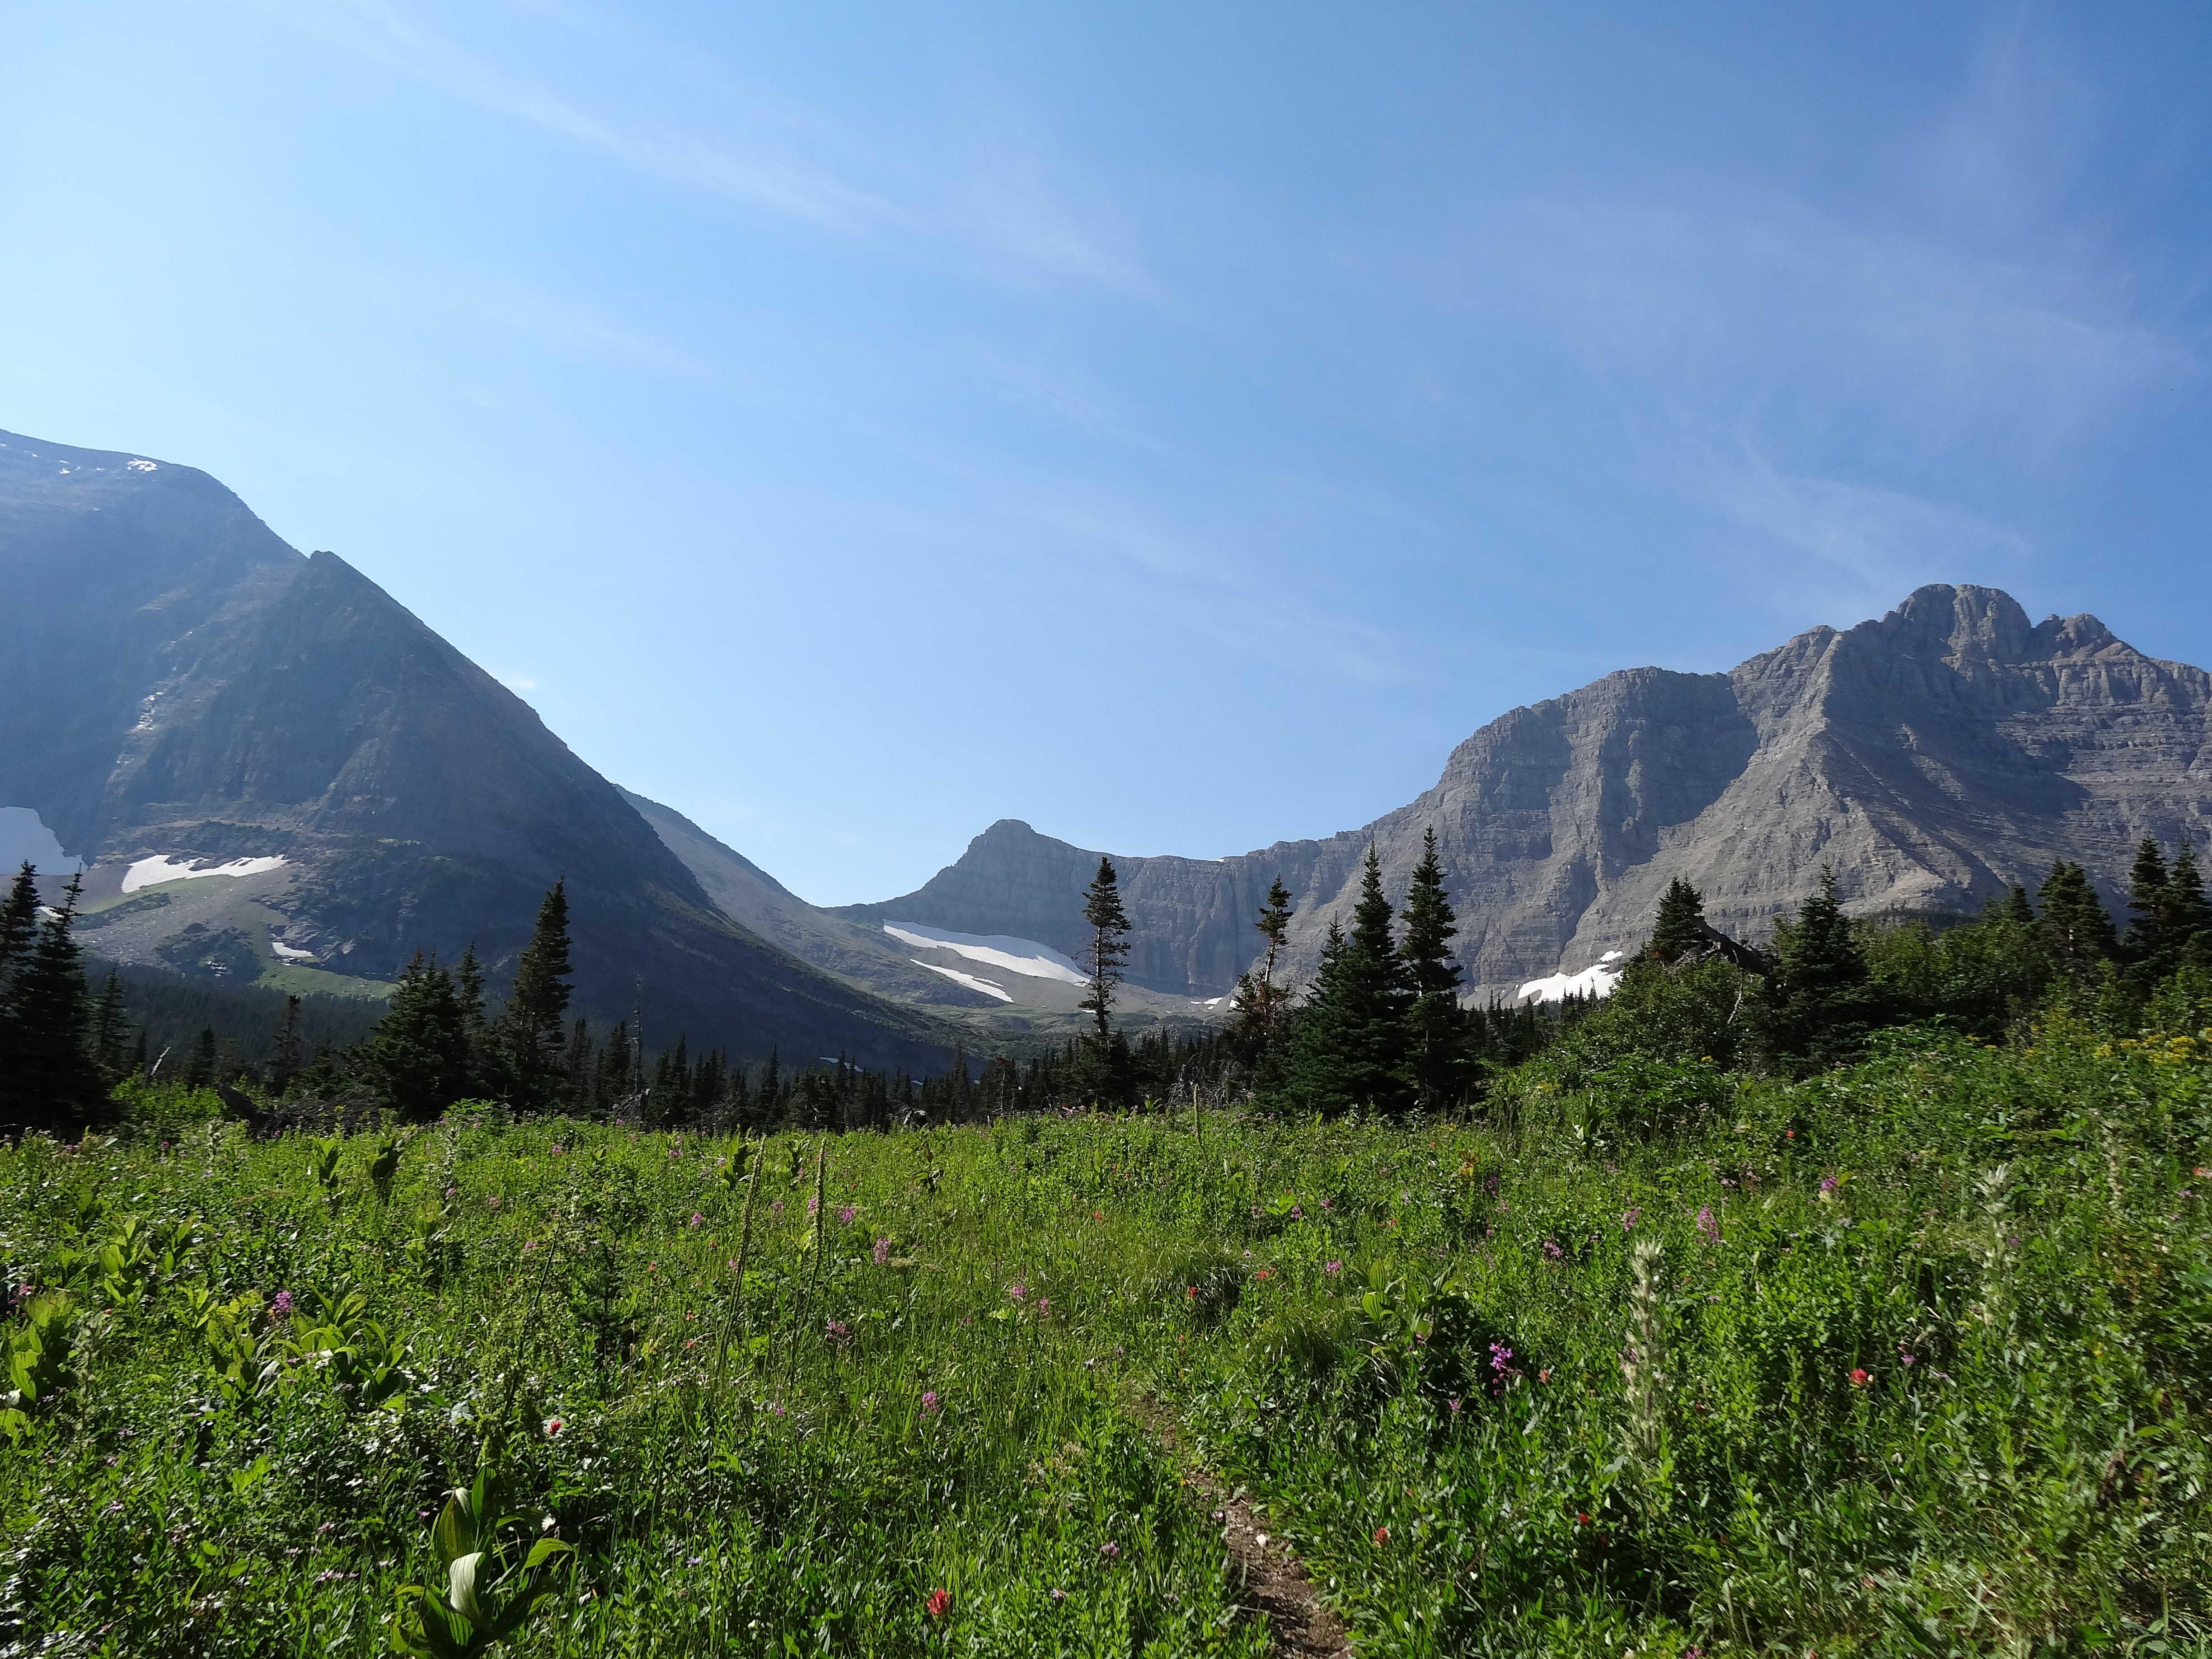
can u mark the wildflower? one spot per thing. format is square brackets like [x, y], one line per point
[1191, 1291]
[1059, 1595]
[731, 1264]
[1707, 1225]
[1789, 1134]
[1860, 1377]
[280, 1306]
[553, 1426]
[698, 1220]
[929, 1402]
[939, 1601]
[838, 1332]
[1017, 1291]
[1297, 1213]
[776, 1207]
[451, 1192]
[882, 1251]
[1263, 1273]
[1110, 1551]
[1096, 1215]
[775, 1408]
[1629, 1218]
[1333, 1267]
[494, 1203]
[1453, 1403]
[844, 1216]
[1381, 1536]
[813, 1204]
[1582, 1517]
[1501, 1358]
[1551, 1249]
[1044, 1307]
[1693, 1651]
[1329, 1204]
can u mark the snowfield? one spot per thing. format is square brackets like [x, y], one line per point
[1014, 956]
[152, 872]
[968, 979]
[1597, 981]
[287, 953]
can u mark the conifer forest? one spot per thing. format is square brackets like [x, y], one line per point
[1846, 1290]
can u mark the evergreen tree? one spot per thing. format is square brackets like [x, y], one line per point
[615, 1083]
[199, 1070]
[48, 1081]
[1104, 957]
[2017, 909]
[19, 920]
[1678, 930]
[535, 1019]
[2189, 914]
[417, 1055]
[109, 1025]
[2075, 928]
[284, 1053]
[576, 1072]
[1350, 1047]
[482, 1069]
[2148, 942]
[1260, 1008]
[1820, 1006]
[1437, 1027]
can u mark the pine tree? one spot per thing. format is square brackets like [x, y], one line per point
[2148, 942]
[284, 1053]
[1260, 1010]
[1678, 930]
[50, 1081]
[109, 1025]
[1435, 1025]
[535, 1019]
[1104, 957]
[2189, 914]
[1819, 1004]
[417, 1055]
[2075, 928]
[199, 1070]
[1350, 1047]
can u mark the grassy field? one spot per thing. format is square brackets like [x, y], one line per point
[1910, 1358]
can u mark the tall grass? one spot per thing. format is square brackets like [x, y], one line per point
[1909, 1357]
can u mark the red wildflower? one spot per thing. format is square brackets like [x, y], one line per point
[1381, 1536]
[1860, 1377]
[939, 1600]
[1582, 1517]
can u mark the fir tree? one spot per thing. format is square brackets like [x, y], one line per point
[535, 1019]
[1261, 1007]
[1819, 1004]
[2189, 914]
[1437, 1027]
[482, 1068]
[2076, 931]
[109, 1025]
[48, 1082]
[417, 1055]
[199, 1070]
[1350, 1051]
[19, 920]
[1104, 957]
[284, 1051]
[2148, 942]
[2016, 907]
[1678, 930]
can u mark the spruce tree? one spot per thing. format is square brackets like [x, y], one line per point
[2189, 914]
[284, 1053]
[535, 1019]
[19, 920]
[1103, 958]
[1259, 1011]
[482, 1068]
[1351, 1050]
[1819, 1004]
[2076, 931]
[2016, 907]
[1678, 930]
[108, 1026]
[49, 1081]
[199, 1070]
[2148, 942]
[417, 1055]
[1435, 1025]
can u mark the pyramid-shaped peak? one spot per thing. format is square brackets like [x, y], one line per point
[1961, 620]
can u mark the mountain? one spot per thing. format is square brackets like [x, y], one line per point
[1932, 757]
[276, 773]
[998, 986]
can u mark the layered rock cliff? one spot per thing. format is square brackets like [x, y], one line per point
[1931, 757]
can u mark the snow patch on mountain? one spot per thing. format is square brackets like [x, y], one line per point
[24, 839]
[290, 953]
[152, 872]
[1595, 981]
[1001, 951]
[968, 979]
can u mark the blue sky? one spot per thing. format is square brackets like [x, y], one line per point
[1176, 426]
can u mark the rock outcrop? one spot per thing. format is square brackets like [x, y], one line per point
[1932, 757]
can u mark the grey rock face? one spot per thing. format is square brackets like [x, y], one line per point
[1932, 757]
[179, 682]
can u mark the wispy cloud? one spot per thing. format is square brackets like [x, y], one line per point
[1001, 214]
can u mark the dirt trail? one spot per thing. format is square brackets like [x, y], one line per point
[1300, 1625]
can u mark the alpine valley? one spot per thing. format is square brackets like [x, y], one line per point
[271, 772]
